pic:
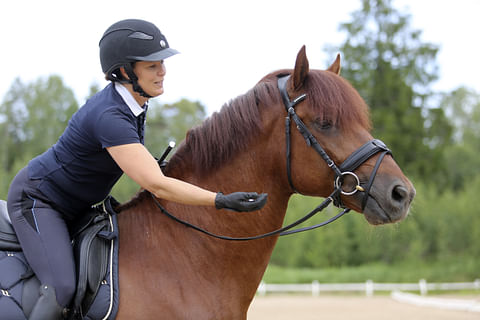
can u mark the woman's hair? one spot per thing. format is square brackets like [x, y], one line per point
[115, 75]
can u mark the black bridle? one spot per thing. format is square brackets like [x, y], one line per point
[357, 158]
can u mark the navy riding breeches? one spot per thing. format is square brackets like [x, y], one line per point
[43, 235]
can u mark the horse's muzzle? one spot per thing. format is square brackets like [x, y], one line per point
[389, 202]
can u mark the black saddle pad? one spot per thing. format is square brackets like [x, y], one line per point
[96, 251]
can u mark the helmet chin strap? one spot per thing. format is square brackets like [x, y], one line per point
[134, 81]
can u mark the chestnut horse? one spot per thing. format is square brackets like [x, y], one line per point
[169, 271]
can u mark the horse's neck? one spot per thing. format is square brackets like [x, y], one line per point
[253, 170]
[192, 264]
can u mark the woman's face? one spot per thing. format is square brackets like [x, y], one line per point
[150, 76]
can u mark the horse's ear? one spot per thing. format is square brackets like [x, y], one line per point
[335, 67]
[301, 69]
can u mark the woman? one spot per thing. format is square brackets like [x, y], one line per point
[103, 140]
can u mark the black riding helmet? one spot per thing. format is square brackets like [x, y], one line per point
[128, 41]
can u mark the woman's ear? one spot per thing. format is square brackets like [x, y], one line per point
[124, 73]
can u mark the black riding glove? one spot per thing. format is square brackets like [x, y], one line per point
[240, 201]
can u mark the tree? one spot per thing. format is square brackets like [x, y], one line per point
[32, 117]
[386, 61]
[463, 108]
[93, 89]
[171, 122]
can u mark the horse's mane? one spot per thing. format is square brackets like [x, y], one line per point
[226, 132]
[230, 130]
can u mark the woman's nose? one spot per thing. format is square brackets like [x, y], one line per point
[162, 71]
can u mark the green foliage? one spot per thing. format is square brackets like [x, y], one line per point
[441, 227]
[32, 117]
[171, 122]
[450, 270]
[463, 108]
[35, 115]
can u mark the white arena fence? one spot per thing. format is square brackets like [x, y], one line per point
[471, 305]
[368, 287]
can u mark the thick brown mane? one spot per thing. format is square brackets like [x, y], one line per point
[230, 130]
[226, 132]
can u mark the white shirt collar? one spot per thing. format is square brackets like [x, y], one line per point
[129, 99]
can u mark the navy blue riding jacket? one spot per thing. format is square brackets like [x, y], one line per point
[78, 171]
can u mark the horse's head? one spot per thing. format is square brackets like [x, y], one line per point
[326, 109]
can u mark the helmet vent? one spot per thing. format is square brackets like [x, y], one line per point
[141, 35]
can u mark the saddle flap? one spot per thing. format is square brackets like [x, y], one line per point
[91, 253]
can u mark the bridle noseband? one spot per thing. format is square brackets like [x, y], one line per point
[357, 158]
[347, 168]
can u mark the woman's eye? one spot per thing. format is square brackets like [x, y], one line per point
[156, 65]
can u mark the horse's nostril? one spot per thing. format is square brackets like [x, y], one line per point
[399, 193]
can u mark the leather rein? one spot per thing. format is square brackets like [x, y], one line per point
[357, 158]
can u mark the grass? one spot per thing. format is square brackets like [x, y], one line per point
[455, 270]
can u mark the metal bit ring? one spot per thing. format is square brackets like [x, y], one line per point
[339, 180]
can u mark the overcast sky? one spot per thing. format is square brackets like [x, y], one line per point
[226, 46]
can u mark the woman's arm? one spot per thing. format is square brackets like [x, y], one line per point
[135, 160]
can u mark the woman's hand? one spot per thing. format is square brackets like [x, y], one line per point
[240, 201]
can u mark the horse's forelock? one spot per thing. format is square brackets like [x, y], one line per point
[334, 99]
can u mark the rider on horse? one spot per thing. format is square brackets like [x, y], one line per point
[103, 140]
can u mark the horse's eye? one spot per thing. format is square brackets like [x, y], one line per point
[322, 124]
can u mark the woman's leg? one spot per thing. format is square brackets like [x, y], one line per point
[44, 237]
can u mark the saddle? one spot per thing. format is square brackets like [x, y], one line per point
[95, 245]
[18, 285]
